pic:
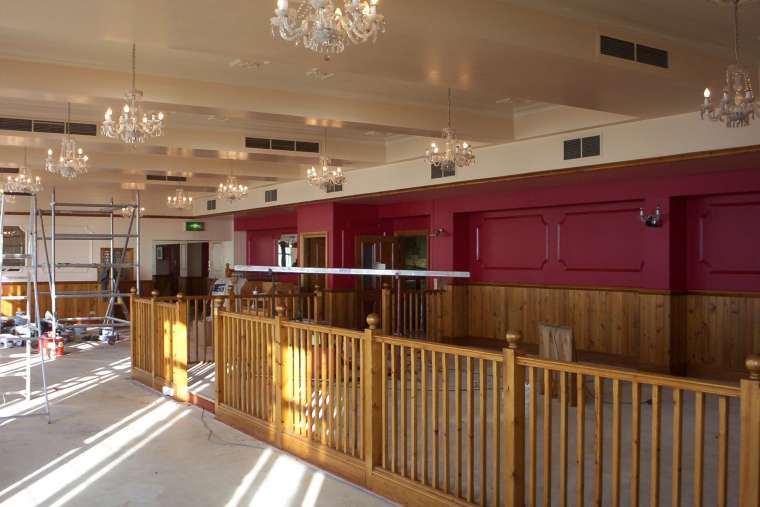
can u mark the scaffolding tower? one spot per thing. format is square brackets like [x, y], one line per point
[112, 267]
[29, 269]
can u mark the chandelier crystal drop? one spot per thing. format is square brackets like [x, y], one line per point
[128, 211]
[451, 153]
[134, 126]
[71, 161]
[231, 190]
[323, 27]
[737, 106]
[23, 182]
[326, 177]
[180, 200]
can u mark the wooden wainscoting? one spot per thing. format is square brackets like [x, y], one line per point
[695, 334]
[342, 309]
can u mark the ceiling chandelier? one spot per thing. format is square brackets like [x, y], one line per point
[452, 153]
[133, 126]
[179, 200]
[23, 182]
[329, 176]
[323, 27]
[72, 161]
[737, 106]
[232, 190]
[128, 211]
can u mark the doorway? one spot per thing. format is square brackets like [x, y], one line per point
[166, 277]
[374, 252]
[313, 255]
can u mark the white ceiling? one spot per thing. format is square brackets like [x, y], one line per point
[383, 101]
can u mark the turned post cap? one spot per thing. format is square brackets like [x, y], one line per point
[513, 339]
[154, 293]
[753, 366]
[180, 296]
[218, 302]
[280, 311]
[133, 290]
[317, 288]
[373, 320]
[386, 285]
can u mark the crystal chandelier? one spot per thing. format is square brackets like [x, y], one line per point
[328, 177]
[737, 106]
[72, 161]
[323, 27]
[133, 126]
[453, 153]
[23, 182]
[128, 211]
[179, 200]
[232, 190]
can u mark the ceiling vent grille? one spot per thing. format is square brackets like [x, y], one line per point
[582, 147]
[270, 195]
[47, 127]
[260, 143]
[163, 177]
[8, 170]
[211, 205]
[634, 52]
[332, 187]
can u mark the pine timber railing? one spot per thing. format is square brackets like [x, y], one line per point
[425, 423]
[419, 315]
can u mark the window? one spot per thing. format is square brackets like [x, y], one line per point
[285, 254]
[443, 170]
[14, 243]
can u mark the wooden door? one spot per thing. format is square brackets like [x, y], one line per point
[374, 252]
[313, 255]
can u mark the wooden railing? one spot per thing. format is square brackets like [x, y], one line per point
[305, 306]
[159, 343]
[419, 315]
[430, 424]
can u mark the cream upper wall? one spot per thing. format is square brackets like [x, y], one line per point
[635, 140]
[152, 231]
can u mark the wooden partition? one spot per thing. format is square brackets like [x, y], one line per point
[159, 343]
[425, 423]
[303, 306]
[420, 313]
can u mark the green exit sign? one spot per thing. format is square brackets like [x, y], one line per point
[195, 226]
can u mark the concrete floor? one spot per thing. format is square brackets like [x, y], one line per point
[113, 442]
[201, 380]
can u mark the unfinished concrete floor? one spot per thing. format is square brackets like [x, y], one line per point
[113, 442]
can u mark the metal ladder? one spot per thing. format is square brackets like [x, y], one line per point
[30, 268]
[114, 268]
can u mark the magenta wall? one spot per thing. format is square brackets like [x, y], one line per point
[580, 231]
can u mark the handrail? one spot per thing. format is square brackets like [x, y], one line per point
[318, 328]
[429, 346]
[625, 375]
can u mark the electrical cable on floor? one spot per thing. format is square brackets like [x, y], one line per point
[222, 441]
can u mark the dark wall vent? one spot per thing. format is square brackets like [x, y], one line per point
[618, 48]
[652, 56]
[47, 127]
[270, 195]
[444, 170]
[8, 170]
[582, 147]
[632, 51]
[259, 143]
[163, 177]
[211, 205]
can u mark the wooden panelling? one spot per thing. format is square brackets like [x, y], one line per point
[698, 334]
[342, 309]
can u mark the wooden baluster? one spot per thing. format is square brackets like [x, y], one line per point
[329, 398]
[749, 440]
[394, 408]
[580, 441]
[470, 432]
[134, 324]
[514, 423]
[676, 471]
[413, 412]
[219, 358]
[615, 442]
[434, 415]
[458, 422]
[699, 446]
[402, 365]
[722, 499]
[547, 427]
[424, 424]
[532, 437]
[309, 352]
[446, 423]
[598, 440]
[654, 467]
[344, 402]
[483, 466]
[563, 402]
[354, 408]
[384, 404]
[635, 441]
[322, 399]
[495, 413]
[386, 309]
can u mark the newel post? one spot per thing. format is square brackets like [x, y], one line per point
[179, 349]
[231, 299]
[283, 370]
[749, 464]
[153, 338]
[514, 422]
[318, 303]
[372, 378]
[219, 359]
[386, 307]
